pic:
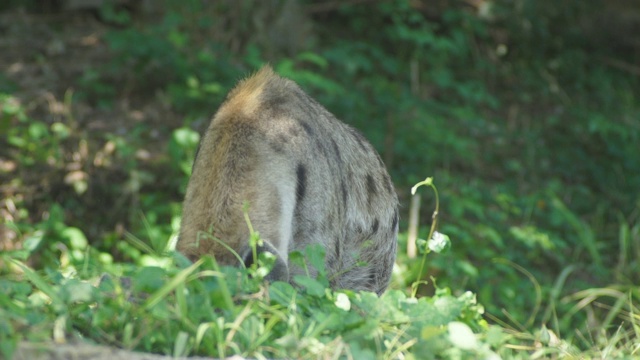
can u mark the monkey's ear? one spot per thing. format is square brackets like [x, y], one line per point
[280, 270]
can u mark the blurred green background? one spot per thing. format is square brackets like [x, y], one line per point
[525, 112]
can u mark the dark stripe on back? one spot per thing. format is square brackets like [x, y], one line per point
[372, 279]
[301, 188]
[371, 188]
[322, 148]
[277, 144]
[336, 150]
[374, 228]
[395, 221]
[388, 182]
[196, 156]
[343, 186]
[307, 128]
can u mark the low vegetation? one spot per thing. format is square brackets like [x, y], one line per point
[524, 112]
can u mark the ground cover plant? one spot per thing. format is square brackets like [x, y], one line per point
[524, 112]
[201, 309]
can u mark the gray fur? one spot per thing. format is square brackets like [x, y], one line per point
[309, 179]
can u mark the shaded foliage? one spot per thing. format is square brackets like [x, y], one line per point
[525, 112]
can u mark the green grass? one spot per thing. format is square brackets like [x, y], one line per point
[178, 308]
[534, 150]
[201, 309]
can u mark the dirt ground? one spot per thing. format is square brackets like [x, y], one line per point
[45, 57]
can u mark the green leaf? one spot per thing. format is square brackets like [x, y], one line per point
[61, 130]
[171, 285]
[43, 285]
[282, 293]
[342, 302]
[77, 291]
[33, 241]
[461, 336]
[149, 279]
[76, 238]
[186, 137]
[439, 242]
[38, 130]
[311, 286]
